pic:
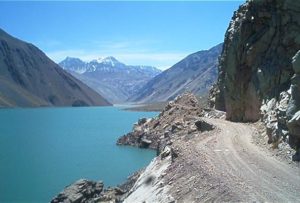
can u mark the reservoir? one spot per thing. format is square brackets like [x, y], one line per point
[42, 150]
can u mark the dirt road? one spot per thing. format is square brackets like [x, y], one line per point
[225, 165]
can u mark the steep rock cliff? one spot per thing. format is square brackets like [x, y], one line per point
[256, 66]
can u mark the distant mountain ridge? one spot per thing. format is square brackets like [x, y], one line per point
[107, 64]
[110, 77]
[28, 78]
[196, 73]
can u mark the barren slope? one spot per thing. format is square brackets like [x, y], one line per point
[195, 73]
[28, 78]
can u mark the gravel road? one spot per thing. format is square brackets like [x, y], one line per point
[225, 165]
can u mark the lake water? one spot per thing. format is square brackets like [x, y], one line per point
[43, 150]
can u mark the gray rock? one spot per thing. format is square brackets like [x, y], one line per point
[294, 125]
[203, 126]
[296, 157]
[156, 132]
[255, 64]
[79, 192]
[142, 121]
[296, 63]
[260, 66]
[145, 143]
[166, 152]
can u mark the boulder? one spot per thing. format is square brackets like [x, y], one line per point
[142, 121]
[166, 152]
[296, 157]
[203, 125]
[145, 143]
[79, 192]
[294, 125]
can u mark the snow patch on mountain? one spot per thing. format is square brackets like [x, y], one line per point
[106, 64]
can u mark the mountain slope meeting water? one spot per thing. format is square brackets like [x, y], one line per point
[28, 78]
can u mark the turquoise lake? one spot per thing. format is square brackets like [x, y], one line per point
[43, 150]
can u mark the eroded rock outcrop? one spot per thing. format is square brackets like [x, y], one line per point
[87, 191]
[258, 73]
[81, 191]
[293, 110]
[176, 118]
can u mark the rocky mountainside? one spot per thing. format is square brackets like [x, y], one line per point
[147, 132]
[196, 73]
[259, 68]
[28, 78]
[110, 77]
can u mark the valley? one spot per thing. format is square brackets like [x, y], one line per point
[222, 121]
[110, 77]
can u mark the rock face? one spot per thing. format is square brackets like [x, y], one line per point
[258, 76]
[195, 73]
[28, 78]
[293, 109]
[81, 191]
[110, 77]
[86, 191]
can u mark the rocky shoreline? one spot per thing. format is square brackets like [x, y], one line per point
[181, 119]
[180, 172]
[88, 191]
[150, 133]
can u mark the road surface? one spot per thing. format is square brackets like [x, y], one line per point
[222, 165]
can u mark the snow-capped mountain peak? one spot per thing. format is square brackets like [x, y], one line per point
[110, 77]
[73, 64]
[110, 60]
[104, 64]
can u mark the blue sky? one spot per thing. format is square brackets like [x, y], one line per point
[137, 32]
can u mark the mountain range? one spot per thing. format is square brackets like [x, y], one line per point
[196, 73]
[28, 78]
[145, 84]
[110, 77]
